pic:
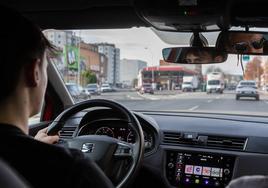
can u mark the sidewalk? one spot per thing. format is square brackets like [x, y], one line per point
[167, 92]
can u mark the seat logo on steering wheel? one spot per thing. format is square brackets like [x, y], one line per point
[88, 147]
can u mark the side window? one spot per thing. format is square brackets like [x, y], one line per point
[35, 119]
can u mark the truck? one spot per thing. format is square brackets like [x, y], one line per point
[215, 82]
[190, 83]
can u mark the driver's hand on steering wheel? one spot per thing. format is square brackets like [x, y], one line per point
[43, 137]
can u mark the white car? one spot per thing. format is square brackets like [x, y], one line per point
[247, 88]
[106, 88]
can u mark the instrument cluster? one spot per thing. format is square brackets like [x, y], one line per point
[116, 129]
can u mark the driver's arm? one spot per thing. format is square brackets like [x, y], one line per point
[249, 182]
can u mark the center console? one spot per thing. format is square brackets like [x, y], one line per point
[191, 169]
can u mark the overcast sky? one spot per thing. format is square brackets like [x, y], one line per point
[144, 44]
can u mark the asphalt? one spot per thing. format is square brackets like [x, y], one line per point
[190, 101]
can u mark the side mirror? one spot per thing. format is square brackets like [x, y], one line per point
[248, 43]
[194, 55]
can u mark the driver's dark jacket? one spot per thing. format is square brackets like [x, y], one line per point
[48, 166]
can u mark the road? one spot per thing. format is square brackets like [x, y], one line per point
[197, 101]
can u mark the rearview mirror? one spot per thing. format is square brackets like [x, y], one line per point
[194, 55]
[248, 43]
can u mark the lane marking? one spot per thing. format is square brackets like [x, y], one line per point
[218, 97]
[209, 101]
[194, 108]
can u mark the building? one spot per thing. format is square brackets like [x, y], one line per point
[61, 38]
[103, 68]
[92, 60]
[164, 77]
[129, 70]
[195, 67]
[113, 55]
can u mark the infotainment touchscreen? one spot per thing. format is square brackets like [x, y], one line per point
[199, 169]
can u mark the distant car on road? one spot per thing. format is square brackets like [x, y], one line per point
[77, 92]
[106, 88]
[231, 87]
[93, 89]
[215, 82]
[146, 88]
[247, 88]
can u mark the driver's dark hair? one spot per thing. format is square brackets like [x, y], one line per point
[22, 43]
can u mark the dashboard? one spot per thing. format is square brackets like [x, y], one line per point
[186, 149]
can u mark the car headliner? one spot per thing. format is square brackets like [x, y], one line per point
[79, 14]
[82, 14]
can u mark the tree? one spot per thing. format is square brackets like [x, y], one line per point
[254, 70]
[89, 77]
[265, 70]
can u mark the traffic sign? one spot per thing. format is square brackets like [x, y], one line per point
[245, 57]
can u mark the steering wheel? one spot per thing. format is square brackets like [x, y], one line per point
[103, 149]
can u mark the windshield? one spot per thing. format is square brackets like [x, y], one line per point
[213, 82]
[247, 84]
[105, 85]
[92, 86]
[187, 83]
[128, 67]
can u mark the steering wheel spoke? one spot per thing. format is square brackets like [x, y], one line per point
[123, 150]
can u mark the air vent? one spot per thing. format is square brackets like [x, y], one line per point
[171, 138]
[234, 143]
[67, 132]
[207, 141]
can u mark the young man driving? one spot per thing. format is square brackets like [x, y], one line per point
[23, 85]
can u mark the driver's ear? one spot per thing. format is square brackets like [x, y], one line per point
[32, 73]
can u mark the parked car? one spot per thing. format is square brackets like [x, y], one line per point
[93, 89]
[84, 91]
[177, 87]
[77, 92]
[265, 88]
[146, 88]
[106, 88]
[247, 88]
